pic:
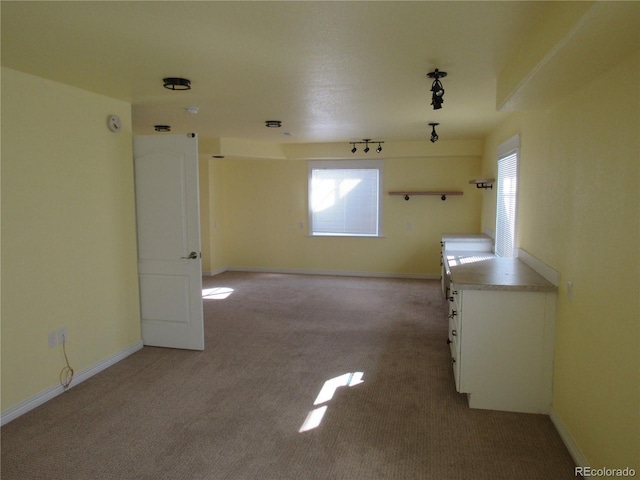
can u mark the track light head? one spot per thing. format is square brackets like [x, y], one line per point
[434, 135]
[366, 148]
[437, 90]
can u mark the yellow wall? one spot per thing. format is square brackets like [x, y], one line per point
[260, 216]
[68, 232]
[579, 211]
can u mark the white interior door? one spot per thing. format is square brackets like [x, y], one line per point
[168, 223]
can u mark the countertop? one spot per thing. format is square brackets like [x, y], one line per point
[485, 271]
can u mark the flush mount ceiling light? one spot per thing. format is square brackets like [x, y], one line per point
[434, 135]
[273, 123]
[366, 142]
[175, 83]
[162, 128]
[437, 91]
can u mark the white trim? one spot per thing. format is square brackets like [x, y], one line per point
[567, 439]
[542, 268]
[215, 272]
[337, 273]
[490, 232]
[508, 146]
[53, 392]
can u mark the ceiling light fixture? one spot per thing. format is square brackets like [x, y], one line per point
[437, 90]
[434, 135]
[175, 83]
[273, 123]
[162, 128]
[366, 142]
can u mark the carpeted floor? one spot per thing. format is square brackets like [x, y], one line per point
[236, 410]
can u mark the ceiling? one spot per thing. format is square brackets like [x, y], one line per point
[330, 71]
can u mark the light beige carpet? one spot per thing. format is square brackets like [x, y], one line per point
[235, 411]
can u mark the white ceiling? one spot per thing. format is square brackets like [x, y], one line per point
[330, 71]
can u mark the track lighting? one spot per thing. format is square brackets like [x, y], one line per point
[366, 142]
[174, 83]
[437, 90]
[434, 135]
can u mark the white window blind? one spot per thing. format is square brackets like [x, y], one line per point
[506, 208]
[344, 198]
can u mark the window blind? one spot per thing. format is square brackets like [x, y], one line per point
[506, 207]
[344, 201]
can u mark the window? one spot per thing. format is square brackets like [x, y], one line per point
[345, 198]
[507, 198]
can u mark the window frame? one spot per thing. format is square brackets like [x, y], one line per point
[507, 151]
[376, 164]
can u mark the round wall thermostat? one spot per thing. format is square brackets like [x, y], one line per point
[114, 123]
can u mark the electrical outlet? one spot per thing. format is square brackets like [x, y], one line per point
[62, 335]
[52, 339]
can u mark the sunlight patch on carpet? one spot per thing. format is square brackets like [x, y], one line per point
[314, 418]
[218, 293]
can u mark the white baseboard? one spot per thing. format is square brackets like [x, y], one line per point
[213, 273]
[566, 437]
[53, 392]
[337, 273]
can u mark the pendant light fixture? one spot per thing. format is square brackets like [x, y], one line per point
[434, 135]
[437, 90]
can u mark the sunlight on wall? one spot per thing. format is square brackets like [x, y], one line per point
[314, 418]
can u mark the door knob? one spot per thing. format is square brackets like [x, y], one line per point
[192, 256]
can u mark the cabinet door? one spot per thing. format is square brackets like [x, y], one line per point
[502, 348]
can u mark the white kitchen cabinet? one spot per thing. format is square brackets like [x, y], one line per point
[501, 333]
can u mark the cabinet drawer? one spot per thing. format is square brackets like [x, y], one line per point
[455, 298]
[454, 343]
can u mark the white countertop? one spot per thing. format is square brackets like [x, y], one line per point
[485, 271]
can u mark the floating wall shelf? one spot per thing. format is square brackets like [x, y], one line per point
[483, 182]
[443, 194]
